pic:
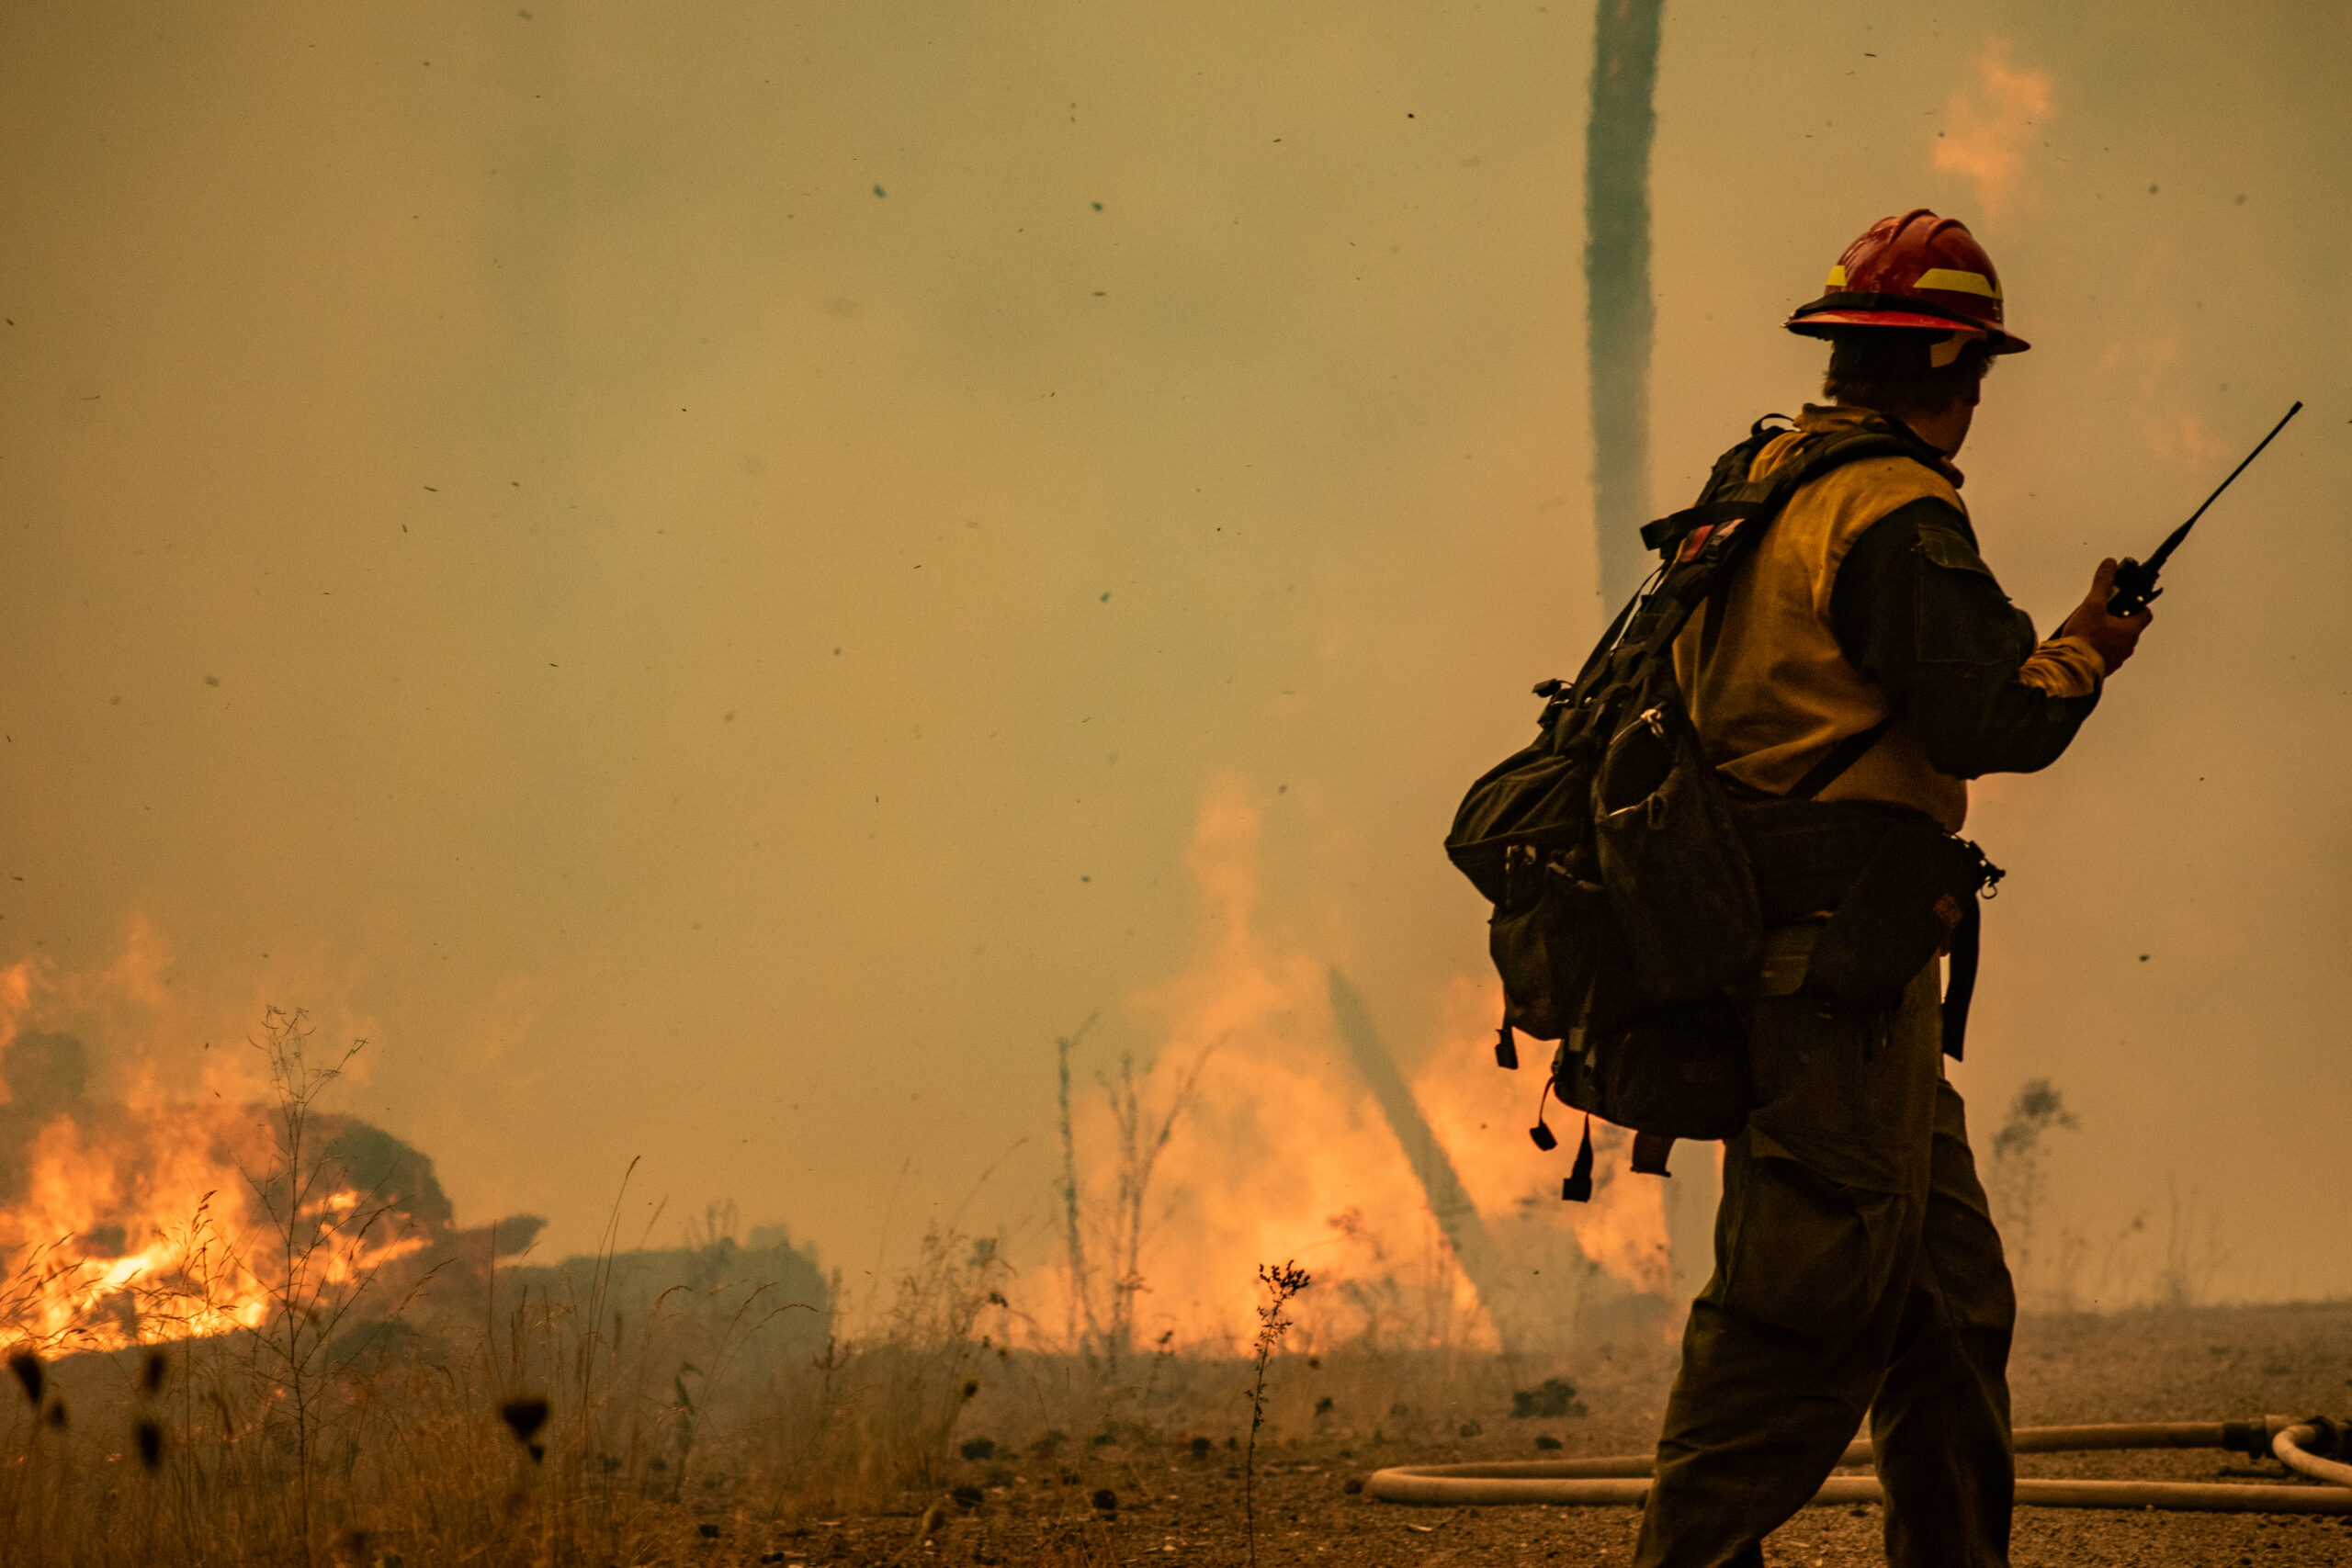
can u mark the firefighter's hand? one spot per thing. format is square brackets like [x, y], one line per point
[2114, 636]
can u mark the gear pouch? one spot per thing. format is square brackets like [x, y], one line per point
[1672, 860]
[1899, 913]
[1674, 1072]
[1562, 958]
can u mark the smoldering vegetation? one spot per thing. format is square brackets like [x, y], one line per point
[551, 1432]
[325, 1368]
[542, 1421]
[258, 1335]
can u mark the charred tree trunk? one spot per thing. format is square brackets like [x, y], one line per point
[1619, 315]
[1481, 1260]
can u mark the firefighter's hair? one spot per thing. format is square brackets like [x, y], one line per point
[1890, 369]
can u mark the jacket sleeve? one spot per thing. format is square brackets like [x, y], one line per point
[1916, 609]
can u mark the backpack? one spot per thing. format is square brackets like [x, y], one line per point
[1626, 911]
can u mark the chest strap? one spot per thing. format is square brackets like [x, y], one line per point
[1837, 759]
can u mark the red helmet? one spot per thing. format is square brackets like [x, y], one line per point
[1918, 270]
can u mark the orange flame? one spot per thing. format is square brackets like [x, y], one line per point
[1991, 125]
[1280, 1151]
[124, 1224]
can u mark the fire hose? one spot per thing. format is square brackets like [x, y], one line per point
[2300, 1445]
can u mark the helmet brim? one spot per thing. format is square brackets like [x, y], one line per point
[1825, 323]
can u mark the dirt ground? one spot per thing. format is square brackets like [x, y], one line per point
[1166, 1496]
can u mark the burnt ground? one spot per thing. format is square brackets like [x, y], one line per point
[1176, 1504]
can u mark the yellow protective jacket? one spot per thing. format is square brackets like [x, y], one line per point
[1865, 598]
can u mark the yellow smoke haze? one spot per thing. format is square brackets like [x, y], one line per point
[711, 578]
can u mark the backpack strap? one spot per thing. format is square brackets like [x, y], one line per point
[1837, 759]
[1556, 691]
[1666, 535]
[1704, 542]
[1729, 494]
[1755, 505]
[1846, 446]
[1726, 524]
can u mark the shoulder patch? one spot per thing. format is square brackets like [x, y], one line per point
[1947, 548]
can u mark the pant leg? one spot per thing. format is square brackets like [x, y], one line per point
[1941, 1423]
[1826, 1197]
[1757, 1418]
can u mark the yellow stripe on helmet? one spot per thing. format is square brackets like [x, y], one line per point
[1837, 275]
[1954, 281]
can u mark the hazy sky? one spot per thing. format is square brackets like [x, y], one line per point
[689, 569]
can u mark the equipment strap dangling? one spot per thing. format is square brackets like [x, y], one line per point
[1578, 1187]
[1960, 985]
[1542, 1131]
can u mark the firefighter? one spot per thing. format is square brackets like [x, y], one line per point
[1857, 1267]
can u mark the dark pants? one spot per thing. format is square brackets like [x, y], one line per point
[1857, 1270]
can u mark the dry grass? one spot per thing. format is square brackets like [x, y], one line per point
[544, 1418]
[552, 1436]
[547, 1438]
[548, 1427]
